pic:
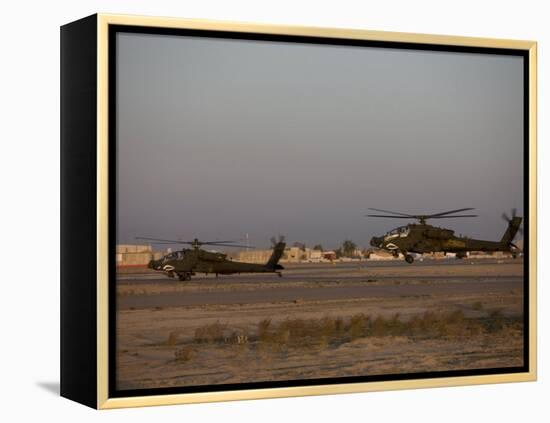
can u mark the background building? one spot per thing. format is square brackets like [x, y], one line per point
[128, 255]
[253, 256]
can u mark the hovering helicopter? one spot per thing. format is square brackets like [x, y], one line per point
[189, 261]
[423, 238]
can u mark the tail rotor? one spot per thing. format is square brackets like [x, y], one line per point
[514, 226]
[512, 219]
[277, 240]
[278, 251]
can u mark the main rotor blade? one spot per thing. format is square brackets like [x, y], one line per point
[451, 217]
[162, 243]
[231, 245]
[392, 212]
[391, 217]
[170, 241]
[196, 242]
[449, 212]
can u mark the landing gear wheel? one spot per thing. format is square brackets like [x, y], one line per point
[409, 259]
[184, 276]
[280, 275]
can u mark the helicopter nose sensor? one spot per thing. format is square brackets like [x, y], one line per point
[375, 241]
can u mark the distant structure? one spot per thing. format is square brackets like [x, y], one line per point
[296, 254]
[329, 255]
[380, 255]
[291, 255]
[129, 255]
[316, 256]
[139, 255]
[253, 256]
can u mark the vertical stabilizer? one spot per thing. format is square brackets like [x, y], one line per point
[512, 230]
[278, 251]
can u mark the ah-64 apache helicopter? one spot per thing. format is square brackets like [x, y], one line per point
[187, 262]
[423, 238]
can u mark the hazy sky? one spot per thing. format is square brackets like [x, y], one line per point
[219, 138]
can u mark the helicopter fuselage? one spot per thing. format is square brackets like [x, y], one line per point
[187, 262]
[424, 238]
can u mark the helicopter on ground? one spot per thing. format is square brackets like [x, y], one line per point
[422, 238]
[187, 262]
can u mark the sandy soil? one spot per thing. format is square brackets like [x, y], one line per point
[157, 346]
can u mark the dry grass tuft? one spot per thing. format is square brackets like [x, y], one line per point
[495, 321]
[299, 333]
[358, 326]
[184, 354]
[477, 306]
[263, 328]
[212, 333]
[172, 338]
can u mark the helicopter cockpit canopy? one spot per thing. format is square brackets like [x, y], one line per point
[176, 255]
[401, 232]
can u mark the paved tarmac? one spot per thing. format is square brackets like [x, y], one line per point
[335, 282]
[177, 299]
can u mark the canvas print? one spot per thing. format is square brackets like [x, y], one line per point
[292, 212]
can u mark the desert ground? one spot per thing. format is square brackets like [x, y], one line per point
[318, 321]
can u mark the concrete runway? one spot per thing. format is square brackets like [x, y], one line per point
[336, 282]
[177, 299]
